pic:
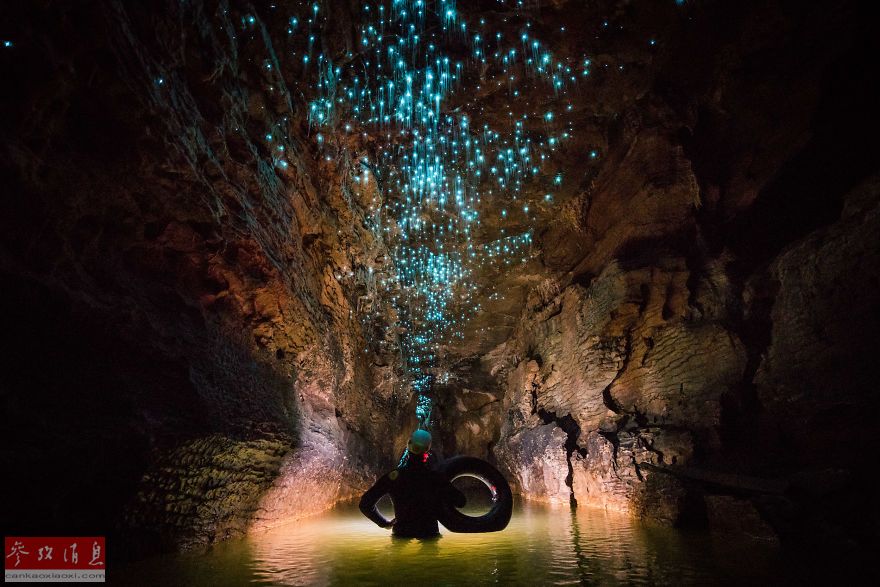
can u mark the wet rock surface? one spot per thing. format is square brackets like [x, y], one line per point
[683, 354]
[642, 386]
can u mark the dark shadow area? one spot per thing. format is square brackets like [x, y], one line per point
[75, 441]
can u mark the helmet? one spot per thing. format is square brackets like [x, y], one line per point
[419, 442]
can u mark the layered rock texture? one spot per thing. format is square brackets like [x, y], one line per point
[672, 395]
[195, 348]
[191, 330]
[696, 345]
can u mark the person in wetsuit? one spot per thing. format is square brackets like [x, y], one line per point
[416, 490]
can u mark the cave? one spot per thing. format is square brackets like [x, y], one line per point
[625, 251]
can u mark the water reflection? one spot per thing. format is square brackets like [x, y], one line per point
[542, 546]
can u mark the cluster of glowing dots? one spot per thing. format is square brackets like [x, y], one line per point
[407, 82]
[416, 81]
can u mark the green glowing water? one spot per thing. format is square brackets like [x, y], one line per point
[542, 546]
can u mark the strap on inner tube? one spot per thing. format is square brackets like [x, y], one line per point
[497, 517]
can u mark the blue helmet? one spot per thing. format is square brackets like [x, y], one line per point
[420, 442]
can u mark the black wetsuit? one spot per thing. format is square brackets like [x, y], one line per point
[417, 491]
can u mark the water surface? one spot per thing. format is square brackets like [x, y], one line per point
[541, 546]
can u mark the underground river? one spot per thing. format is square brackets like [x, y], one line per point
[541, 546]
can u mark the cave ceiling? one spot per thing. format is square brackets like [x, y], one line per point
[546, 93]
[492, 152]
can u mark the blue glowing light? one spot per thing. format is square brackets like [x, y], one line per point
[436, 167]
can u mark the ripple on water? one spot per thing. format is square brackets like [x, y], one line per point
[541, 546]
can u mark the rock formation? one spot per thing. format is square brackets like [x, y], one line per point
[700, 352]
[192, 339]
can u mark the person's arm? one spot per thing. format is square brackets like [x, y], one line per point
[371, 498]
[453, 495]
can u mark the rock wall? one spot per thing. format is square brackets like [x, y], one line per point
[813, 374]
[696, 348]
[188, 287]
[625, 394]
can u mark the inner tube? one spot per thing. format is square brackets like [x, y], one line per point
[497, 517]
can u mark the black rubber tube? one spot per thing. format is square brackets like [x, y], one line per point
[497, 517]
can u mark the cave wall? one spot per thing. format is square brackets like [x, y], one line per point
[188, 354]
[466, 414]
[697, 347]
